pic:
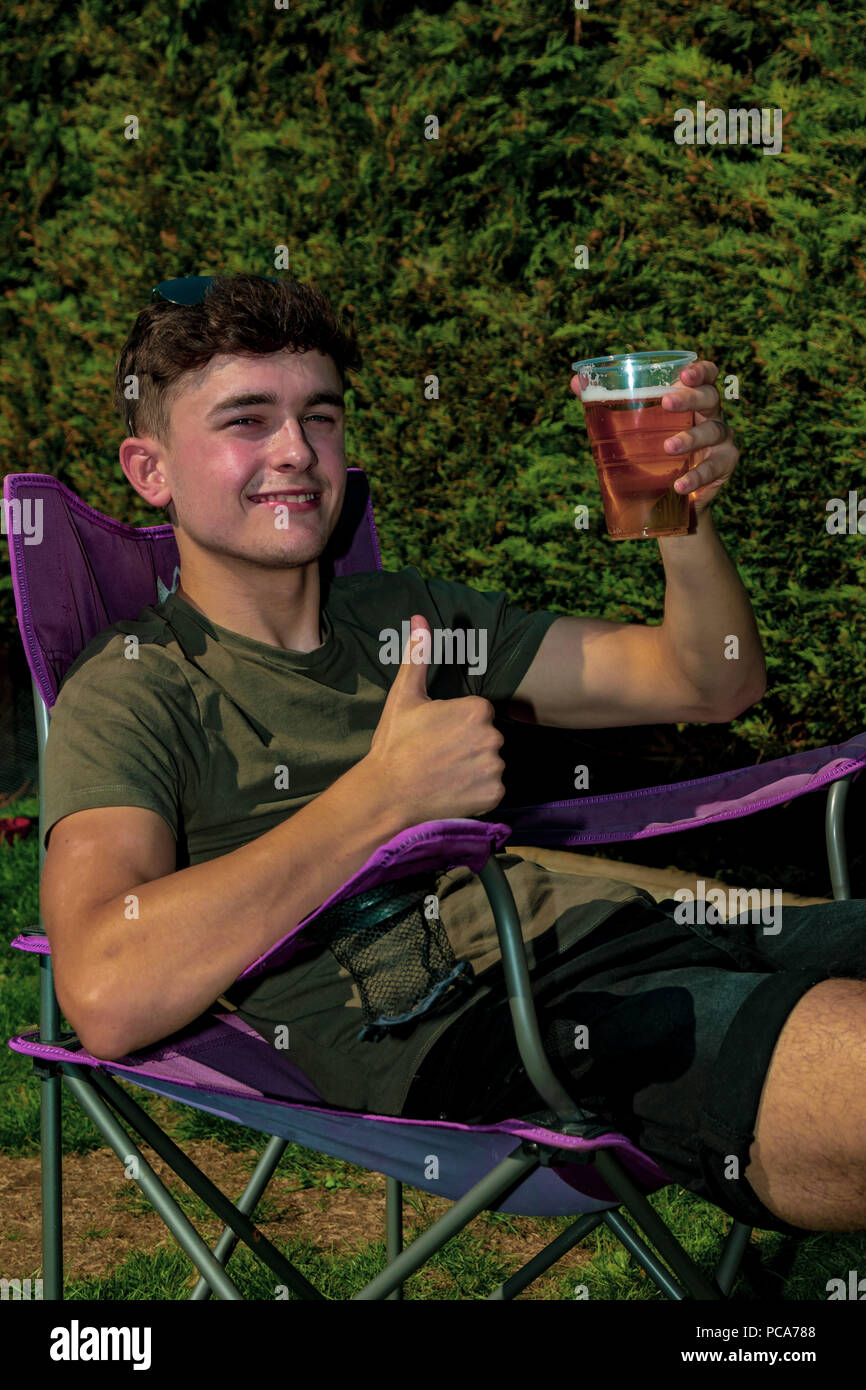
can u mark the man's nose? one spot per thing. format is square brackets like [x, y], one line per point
[290, 442]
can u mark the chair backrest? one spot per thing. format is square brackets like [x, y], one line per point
[76, 571]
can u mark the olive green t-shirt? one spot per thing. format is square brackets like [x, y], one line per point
[225, 737]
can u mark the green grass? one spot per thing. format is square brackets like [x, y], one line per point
[789, 1270]
[464, 1270]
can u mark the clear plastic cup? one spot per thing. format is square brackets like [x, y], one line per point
[627, 426]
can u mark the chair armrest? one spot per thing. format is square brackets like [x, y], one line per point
[834, 826]
[523, 1013]
[429, 845]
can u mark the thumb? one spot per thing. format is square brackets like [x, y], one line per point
[411, 675]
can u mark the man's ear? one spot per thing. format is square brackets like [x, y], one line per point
[142, 462]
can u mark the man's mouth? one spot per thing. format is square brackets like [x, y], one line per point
[292, 499]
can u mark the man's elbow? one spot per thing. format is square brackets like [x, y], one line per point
[97, 1033]
[103, 1047]
[740, 704]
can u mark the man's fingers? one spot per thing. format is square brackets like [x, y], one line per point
[699, 372]
[702, 398]
[703, 436]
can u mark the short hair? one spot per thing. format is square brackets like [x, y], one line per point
[243, 314]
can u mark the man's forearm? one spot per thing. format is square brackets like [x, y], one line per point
[198, 928]
[705, 606]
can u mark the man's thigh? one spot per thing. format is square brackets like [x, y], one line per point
[808, 1159]
[781, 1127]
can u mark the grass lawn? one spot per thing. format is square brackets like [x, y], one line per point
[326, 1215]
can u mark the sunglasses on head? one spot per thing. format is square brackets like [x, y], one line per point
[189, 289]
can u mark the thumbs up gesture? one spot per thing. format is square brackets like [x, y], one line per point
[439, 758]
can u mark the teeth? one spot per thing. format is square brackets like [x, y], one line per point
[288, 497]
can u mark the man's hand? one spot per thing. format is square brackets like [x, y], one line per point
[716, 453]
[439, 759]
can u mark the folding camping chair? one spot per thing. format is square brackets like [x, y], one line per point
[90, 571]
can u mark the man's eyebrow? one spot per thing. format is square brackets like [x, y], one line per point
[247, 398]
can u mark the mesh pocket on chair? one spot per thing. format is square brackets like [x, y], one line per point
[401, 961]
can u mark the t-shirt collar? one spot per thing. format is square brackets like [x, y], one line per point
[176, 607]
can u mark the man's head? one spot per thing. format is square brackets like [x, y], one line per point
[249, 337]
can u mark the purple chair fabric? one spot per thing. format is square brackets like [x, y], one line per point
[89, 571]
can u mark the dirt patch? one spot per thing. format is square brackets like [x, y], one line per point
[105, 1218]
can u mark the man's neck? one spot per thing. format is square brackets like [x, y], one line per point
[289, 620]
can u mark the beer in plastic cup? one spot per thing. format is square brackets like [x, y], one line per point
[627, 427]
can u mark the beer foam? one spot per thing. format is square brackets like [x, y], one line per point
[594, 394]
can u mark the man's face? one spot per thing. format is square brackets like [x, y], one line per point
[227, 449]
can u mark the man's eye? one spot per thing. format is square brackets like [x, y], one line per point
[253, 420]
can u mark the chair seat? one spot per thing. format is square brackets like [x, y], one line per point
[382, 1143]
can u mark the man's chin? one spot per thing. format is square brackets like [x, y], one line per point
[297, 541]
[272, 546]
[286, 556]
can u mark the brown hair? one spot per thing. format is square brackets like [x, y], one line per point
[241, 314]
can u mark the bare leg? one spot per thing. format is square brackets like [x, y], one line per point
[808, 1158]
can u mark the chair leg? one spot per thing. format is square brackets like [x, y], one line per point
[669, 1248]
[505, 1178]
[52, 1182]
[165, 1206]
[732, 1255]
[534, 1268]
[194, 1178]
[726, 1269]
[645, 1257]
[246, 1203]
[393, 1226]
[50, 1089]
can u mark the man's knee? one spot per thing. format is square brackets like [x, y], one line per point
[808, 1157]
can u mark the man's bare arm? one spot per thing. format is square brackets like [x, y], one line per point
[129, 973]
[125, 981]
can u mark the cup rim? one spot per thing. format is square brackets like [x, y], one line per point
[668, 358]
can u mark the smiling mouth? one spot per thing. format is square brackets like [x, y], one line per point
[276, 499]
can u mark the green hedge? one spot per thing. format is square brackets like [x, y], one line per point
[305, 126]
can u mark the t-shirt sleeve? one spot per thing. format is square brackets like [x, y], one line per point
[502, 638]
[120, 734]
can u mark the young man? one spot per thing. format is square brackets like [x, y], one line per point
[219, 767]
